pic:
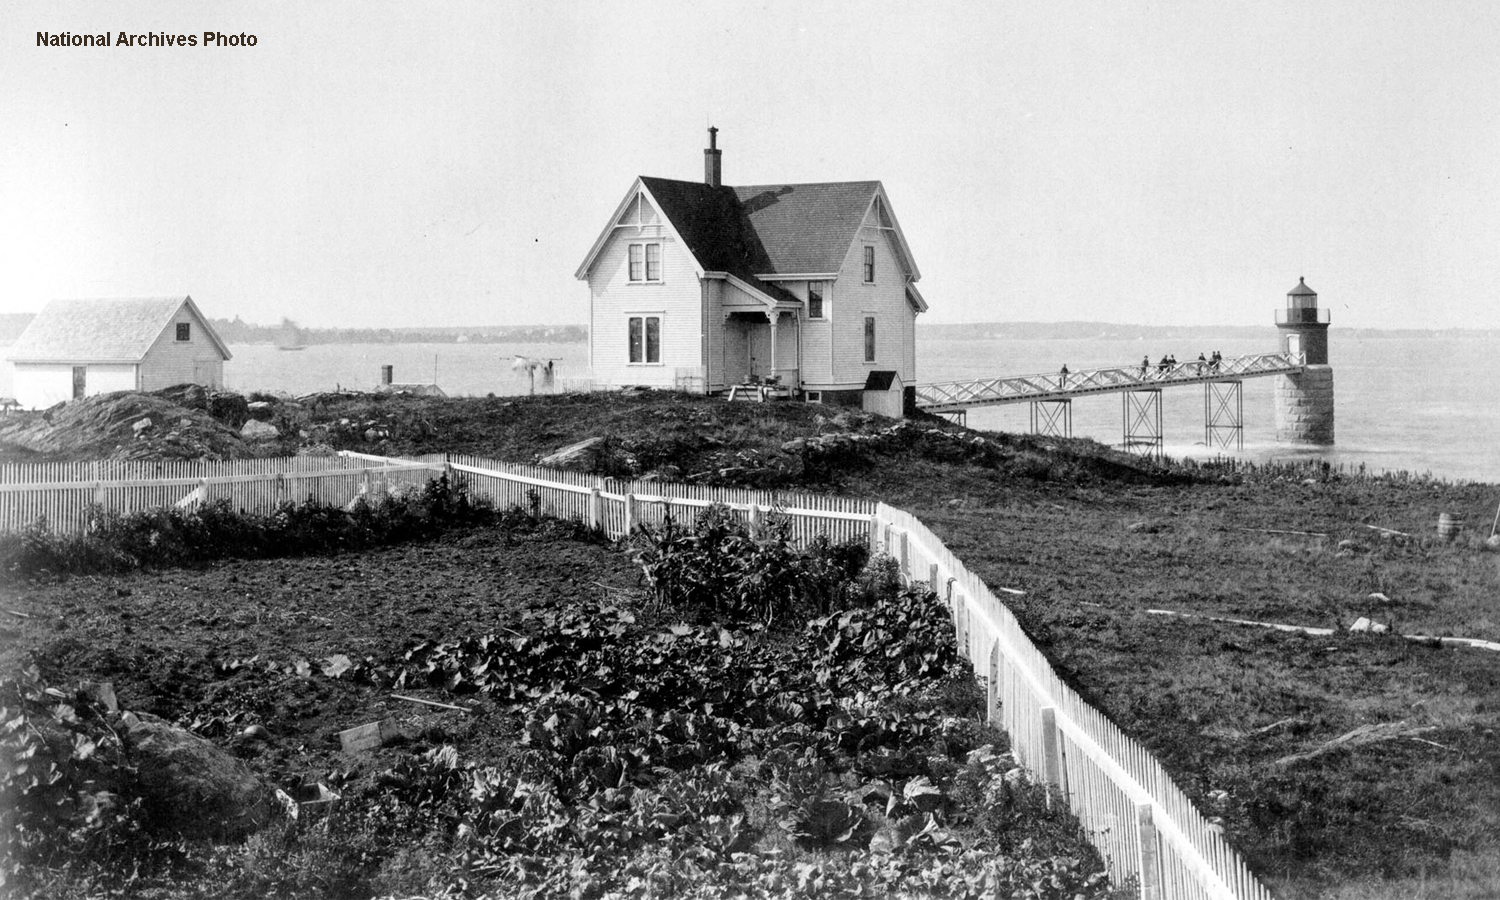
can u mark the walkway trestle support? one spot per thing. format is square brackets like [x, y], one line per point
[1052, 418]
[1142, 413]
[1224, 415]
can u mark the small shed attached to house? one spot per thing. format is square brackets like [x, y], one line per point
[79, 348]
[884, 394]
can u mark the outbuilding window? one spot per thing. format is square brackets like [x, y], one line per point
[184, 331]
[645, 339]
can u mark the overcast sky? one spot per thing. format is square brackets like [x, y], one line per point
[450, 163]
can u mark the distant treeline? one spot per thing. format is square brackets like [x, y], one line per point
[238, 331]
[1024, 331]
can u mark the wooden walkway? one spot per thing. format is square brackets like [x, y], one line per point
[956, 396]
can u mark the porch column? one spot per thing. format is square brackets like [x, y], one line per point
[775, 316]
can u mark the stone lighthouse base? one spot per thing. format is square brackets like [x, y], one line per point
[1304, 406]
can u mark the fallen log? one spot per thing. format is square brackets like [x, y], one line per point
[1358, 737]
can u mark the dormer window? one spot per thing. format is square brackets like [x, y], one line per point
[869, 264]
[815, 299]
[645, 262]
[184, 331]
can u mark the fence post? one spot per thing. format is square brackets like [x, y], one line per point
[280, 488]
[932, 577]
[629, 514]
[756, 519]
[596, 509]
[948, 597]
[992, 701]
[899, 534]
[1054, 768]
[1149, 862]
[960, 626]
[99, 493]
[874, 534]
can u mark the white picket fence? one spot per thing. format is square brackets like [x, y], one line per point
[64, 495]
[1142, 824]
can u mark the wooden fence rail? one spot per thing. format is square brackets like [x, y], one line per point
[65, 496]
[1142, 824]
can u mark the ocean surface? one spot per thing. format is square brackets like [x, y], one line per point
[1420, 405]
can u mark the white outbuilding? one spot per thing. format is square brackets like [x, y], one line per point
[79, 348]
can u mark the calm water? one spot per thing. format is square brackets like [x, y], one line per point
[1401, 404]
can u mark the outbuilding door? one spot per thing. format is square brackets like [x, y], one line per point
[80, 381]
[203, 373]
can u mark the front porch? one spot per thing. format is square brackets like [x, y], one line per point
[761, 350]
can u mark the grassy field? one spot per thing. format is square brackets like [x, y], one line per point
[1096, 539]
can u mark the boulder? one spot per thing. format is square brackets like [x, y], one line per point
[190, 786]
[141, 425]
[256, 430]
[228, 407]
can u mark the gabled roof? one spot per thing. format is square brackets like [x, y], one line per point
[102, 330]
[764, 231]
[806, 228]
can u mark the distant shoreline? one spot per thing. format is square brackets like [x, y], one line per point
[236, 331]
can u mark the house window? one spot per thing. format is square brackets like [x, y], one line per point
[645, 339]
[184, 331]
[869, 338]
[869, 265]
[645, 262]
[815, 299]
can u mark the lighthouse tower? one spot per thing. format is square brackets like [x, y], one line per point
[1304, 401]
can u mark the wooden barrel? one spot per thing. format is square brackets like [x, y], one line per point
[1447, 526]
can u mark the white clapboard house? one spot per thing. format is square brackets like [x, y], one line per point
[78, 348]
[704, 287]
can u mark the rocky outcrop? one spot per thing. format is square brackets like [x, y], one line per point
[189, 785]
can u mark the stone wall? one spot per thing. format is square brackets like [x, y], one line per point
[1304, 406]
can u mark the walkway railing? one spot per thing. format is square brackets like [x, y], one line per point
[1143, 825]
[952, 396]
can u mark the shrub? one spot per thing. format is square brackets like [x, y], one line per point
[216, 530]
[718, 570]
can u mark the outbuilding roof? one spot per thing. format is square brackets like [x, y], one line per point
[102, 330]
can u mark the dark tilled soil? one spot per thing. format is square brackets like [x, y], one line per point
[243, 643]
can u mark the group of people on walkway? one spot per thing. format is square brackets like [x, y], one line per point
[1202, 365]
[1169, 364]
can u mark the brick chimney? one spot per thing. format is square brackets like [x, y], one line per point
[712, 162]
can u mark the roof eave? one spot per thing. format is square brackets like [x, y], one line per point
[637, 186]
[207, 327]
[913, 273]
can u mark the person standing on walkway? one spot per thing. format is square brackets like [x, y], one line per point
[1062, 377]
